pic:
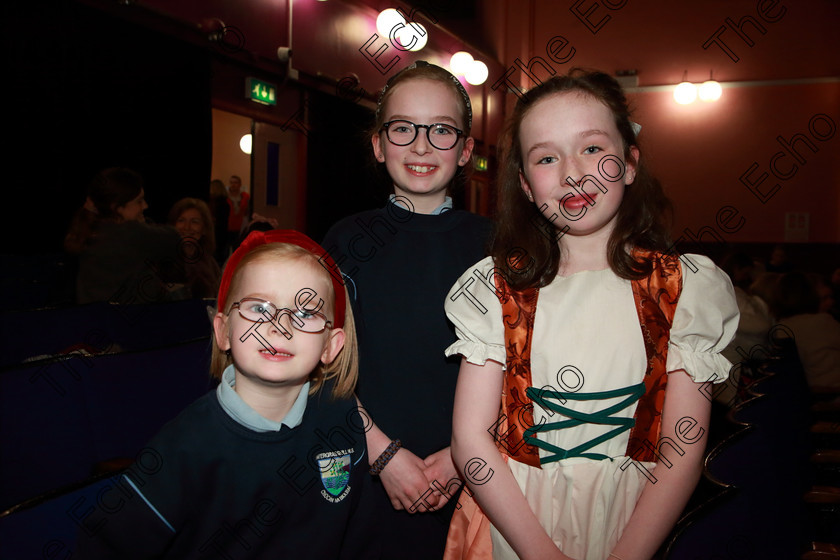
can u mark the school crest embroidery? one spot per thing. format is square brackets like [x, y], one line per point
[335, 474]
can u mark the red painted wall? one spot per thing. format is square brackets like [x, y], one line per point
[700, 151]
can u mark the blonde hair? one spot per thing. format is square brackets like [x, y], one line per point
[345, 367]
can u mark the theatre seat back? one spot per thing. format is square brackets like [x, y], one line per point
[99, 328]
[58, 419]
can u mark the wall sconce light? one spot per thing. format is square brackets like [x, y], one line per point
[685, 92]
[410, 36]
[387, 20]
[474, 71]
[460, 63]
[413, 36]
[710, 90]
[245, 144]
[477, 73]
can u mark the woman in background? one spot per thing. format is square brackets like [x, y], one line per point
[191, 218]
[121, 258]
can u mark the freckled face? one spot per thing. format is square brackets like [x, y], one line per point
[420, 169]
[566, 139]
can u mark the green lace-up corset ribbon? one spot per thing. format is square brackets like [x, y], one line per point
[548, 401]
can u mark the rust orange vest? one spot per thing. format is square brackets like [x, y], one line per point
[656, 299]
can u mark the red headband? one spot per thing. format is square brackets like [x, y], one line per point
[257, 238]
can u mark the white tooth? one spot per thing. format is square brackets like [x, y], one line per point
[420, 168]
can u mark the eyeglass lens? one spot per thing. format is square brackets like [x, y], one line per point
[441, 136]
[255, 310]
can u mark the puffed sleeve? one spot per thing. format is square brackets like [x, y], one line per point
[705, 321]
[474, 309]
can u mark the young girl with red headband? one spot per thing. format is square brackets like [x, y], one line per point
[277, 452]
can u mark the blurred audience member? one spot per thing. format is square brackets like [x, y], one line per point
[121, 258]
[754, 323]
[238, 203]
[830, 298]
[765, 287]
[779, 260]
[816, 334]
[115, 195]
[221, 212]
[191, 218]
[825, 295]
[258, 223]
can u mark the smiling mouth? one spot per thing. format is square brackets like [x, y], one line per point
[276, 354]
[421, 168]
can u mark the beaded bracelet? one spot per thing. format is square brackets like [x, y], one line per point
[386, 456]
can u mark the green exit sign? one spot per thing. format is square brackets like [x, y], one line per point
[261, 92]
[480, 163]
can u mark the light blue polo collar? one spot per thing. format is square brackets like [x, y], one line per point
[239, 410]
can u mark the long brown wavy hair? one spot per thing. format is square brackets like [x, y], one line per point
[524, 235]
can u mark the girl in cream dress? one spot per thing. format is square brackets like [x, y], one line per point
[583, 401]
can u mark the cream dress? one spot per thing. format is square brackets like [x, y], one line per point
[587, 338]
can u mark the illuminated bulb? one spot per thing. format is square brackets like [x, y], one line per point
[685, 93]
[412, 36]
[710, 91]
[477, 73]
[422, 39]
[387, 20]
[460, 63]
[245, 144]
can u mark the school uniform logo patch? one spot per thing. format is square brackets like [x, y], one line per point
[334, 467]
